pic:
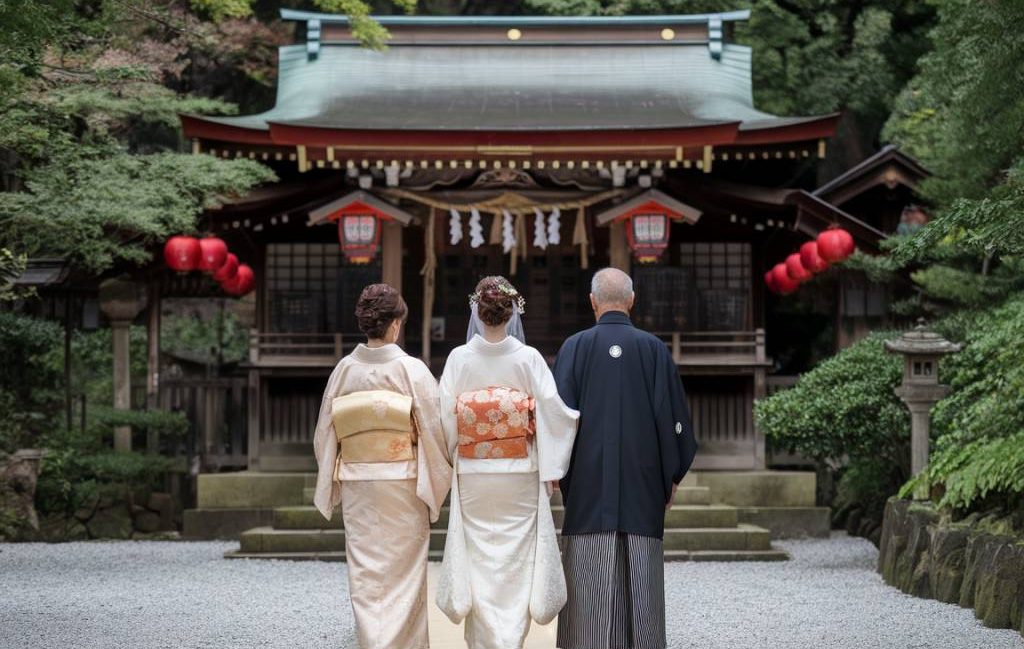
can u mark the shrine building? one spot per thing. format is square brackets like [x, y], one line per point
[542, 149]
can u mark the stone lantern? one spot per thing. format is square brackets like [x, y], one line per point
[121, 300]
[920, 388]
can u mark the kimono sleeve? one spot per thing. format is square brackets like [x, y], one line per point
[675, 428]
[433, 461]
[448, 395]
[325, 447]
[556, 422]
[565, 373]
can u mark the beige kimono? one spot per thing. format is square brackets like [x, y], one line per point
[387, 507]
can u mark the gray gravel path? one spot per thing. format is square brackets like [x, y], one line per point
[151, 595]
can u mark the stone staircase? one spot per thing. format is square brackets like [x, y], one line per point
[695, 530]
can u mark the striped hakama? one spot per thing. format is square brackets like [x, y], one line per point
[616, 588]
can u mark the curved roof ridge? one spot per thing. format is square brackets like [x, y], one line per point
[663, 19]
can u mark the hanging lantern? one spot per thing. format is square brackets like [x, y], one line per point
[359, 235]
[835, 244]
[214, 252]
[783, 283]
[796, 269]
[810, 258]
[241, 283]
[227, 270]
[769, 280]
[182, 253]
[648, 236]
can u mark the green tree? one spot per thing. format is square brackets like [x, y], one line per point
[811, 56]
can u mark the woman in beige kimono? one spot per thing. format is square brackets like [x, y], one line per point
[511, 436]
[390, 471]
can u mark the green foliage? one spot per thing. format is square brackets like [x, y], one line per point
[867, 483]
[220, 338]
[810, 56]
[70, 479]
[979, 451]
[963, 114]
[29, 382]
[844, 407]
[11, 266]
[218, 10]
[123, 204]
[162, 422]
[975, 471]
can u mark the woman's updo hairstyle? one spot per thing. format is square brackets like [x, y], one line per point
[379, 305]
[495, 300]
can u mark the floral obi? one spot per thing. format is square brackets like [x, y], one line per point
[494, 423]
[374, 426]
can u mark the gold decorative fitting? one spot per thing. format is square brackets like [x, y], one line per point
[668, 34]
[514, 34]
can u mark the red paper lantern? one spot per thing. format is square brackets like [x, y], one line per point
[214, 254]
[796, 269]
[810, 258]
[241, 283]
[359, 235]
[769, 280]
[227, 270]
[648, 236]
[182, 253]
[783, 283]
[835, 244]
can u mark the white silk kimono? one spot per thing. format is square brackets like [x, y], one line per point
[501, 564]
[387, 507]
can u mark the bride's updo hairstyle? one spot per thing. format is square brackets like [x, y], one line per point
[379, 305]
[496, 299]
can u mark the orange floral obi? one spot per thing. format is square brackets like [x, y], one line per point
[494, 423]
[374, 426]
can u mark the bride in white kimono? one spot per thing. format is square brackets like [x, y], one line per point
[390, 471]
[511, 437]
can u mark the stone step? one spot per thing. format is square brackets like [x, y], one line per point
[727, 555]
[680, 516]
[739, 538]
[685, 495]
[433, 555]
[270, 540]
[670, 555]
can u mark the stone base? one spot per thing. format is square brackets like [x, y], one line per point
[226, 524]
[789, 522]
[760, 488]
[925, 555]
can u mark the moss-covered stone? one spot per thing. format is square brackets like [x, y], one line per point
[924, 553]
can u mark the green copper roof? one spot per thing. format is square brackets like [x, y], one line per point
[504, 86]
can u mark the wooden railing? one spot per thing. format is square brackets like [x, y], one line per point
[299, 349]
[709, 348]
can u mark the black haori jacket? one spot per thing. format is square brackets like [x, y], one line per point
[635, 437]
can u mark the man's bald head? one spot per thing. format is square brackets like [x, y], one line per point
[611, 290]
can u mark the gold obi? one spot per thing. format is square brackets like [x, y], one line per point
[374, 426]
[494, 423]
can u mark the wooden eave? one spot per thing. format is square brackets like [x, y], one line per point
[889, 167]
[330, 211]
[676, 210]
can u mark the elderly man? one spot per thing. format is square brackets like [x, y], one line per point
[635, 443]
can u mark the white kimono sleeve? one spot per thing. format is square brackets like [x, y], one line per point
[325, 445]
[556, 422]
[448, 394]
[434, 467]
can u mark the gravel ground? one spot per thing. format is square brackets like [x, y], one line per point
[150, 595]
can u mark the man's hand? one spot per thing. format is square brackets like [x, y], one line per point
[672, 497]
